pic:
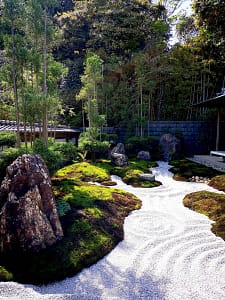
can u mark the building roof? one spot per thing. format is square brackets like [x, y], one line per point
[6, 125]
[218, 101]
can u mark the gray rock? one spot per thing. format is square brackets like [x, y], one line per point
[119, 148]
[119, 160]
[144, 155]
[170, 146]
[118, 156]
[29, 218]
[147, 176]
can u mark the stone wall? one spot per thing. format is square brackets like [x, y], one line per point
[198, 137]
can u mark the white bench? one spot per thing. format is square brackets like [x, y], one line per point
[218, 153]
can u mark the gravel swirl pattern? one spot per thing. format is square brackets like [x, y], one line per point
[168, 253]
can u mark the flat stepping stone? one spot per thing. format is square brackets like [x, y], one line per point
[147, 176]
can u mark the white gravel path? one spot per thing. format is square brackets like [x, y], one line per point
[168, 253]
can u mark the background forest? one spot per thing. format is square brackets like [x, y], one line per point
[108, 63]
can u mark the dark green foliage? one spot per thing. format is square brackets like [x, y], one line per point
[7, 139]
[95, 147]
[62, 207]
[136, 143]
[56, 154]
[52, 158]
[67, 149]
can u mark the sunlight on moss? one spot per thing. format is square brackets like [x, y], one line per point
[83, 171]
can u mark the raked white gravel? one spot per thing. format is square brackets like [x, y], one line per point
[168, 253]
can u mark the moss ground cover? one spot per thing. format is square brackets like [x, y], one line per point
[218, 182]
[92, 219]
[129, 174]
[208, 203]
[211, 205]
[184, 169]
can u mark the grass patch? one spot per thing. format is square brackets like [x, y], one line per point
[210, 204]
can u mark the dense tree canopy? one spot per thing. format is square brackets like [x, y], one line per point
[142, 77]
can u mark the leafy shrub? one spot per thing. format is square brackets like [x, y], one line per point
[7, 139]
[136, 143]
[93, 147]
[62, 207]
[53, 159]
[67, 150]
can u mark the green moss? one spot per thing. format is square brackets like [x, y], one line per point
[86, 195]
[83, 171]
[92, 218]
[210, 204]
[129, 174]
[5, 275]
[218, 182]
[184, 169]
[95, 212]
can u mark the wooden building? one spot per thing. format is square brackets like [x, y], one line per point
[217, 102]
[59, 133]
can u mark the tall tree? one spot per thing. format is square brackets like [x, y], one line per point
[89, 92]
[13, 16]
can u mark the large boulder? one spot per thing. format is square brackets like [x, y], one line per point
[119, 160]
[28, 218]
[143, 155]
[170, 146]
[119, 148]
[118, 156]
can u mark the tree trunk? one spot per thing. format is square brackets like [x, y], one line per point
[15, 92]
[44, 69]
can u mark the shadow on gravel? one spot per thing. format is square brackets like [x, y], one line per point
[106, 282]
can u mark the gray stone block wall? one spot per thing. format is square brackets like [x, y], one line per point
[198, 137]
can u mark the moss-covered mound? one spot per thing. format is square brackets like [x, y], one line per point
[218, 182]
[129, 174]
[92, 219]
[184, 169]
[211, 205]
